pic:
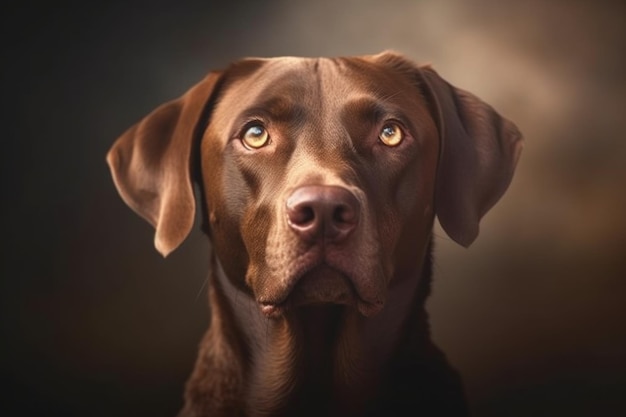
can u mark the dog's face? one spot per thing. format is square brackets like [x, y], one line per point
[321, 177]
[313, 169]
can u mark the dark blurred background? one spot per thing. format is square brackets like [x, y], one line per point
[93, 322]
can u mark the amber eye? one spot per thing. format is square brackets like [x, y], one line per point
[391, 134]
[255, 137]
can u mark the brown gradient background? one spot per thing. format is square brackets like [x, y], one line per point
[94, 323]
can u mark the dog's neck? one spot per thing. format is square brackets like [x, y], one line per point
[328, 352]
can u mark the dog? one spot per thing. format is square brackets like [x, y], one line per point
[319, 182]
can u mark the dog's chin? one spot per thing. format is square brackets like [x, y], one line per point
[322, 285]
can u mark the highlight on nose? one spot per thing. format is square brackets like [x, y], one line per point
[322, 213]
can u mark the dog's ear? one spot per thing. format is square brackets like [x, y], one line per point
[150, 164]
[479, 153]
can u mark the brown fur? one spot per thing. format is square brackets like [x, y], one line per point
[322, 313]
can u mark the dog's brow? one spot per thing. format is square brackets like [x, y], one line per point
[372, 110]
[275, 108]
[388, 97]
[366, 107]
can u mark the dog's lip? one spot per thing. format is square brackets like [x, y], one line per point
[276, 308]
[271, 309]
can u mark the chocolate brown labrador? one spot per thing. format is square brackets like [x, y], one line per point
[320, 180]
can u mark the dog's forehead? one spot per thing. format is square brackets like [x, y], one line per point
[316, 91]
[315, 82]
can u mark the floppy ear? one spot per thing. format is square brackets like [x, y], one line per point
[478, 155]
[150, 164]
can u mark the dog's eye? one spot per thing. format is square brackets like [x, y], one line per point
[391, 134]
[255, 137]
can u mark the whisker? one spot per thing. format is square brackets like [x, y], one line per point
[202, 288]
[390, 96]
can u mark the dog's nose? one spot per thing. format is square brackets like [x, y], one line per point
[321, 212]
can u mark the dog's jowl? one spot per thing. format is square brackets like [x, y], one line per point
[320, 182]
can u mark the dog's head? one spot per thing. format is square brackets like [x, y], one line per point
[321, 177]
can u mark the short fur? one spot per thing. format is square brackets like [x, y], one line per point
[322, 236]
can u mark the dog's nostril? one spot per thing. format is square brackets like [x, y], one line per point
[302, 215]
[344, 215]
